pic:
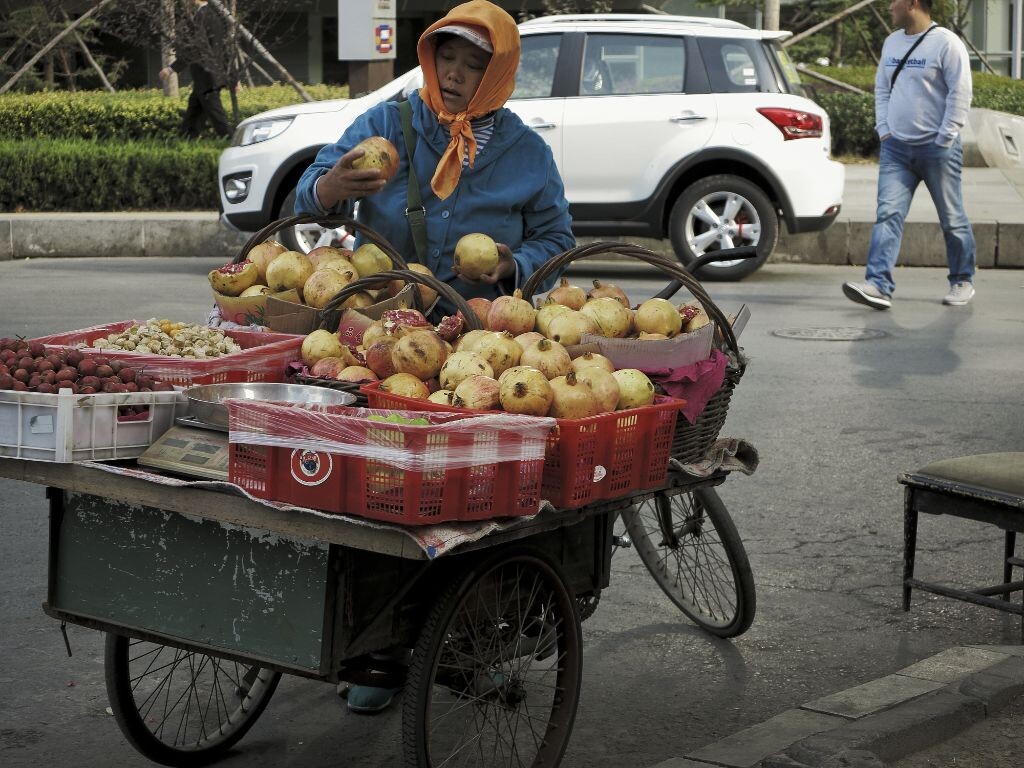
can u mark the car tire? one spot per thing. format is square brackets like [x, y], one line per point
[305, 237]
[746, 207]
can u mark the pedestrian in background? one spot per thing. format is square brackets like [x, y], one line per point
[922, 95]
[201, 50]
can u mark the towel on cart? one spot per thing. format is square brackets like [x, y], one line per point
[727, 454]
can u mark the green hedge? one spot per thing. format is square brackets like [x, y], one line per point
[853, 115]
[81, 175]
[128, 115]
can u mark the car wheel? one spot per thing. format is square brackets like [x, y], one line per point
[305, 237]
[721, 212]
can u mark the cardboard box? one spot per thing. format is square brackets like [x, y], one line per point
[250, 310]
[287, 317]
[684, 349]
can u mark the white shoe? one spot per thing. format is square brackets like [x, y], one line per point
[959, 294]
[867, 294]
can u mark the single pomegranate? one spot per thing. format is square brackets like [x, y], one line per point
[323, 255]
[549, 310]
[421, 353]
[468, 341]
[592, 358]
[460, 366]
[395, 319]
[635, 389]
[378, 357]
[603, 385]
[693, 316]
[549, 357]
[405, 385]
[373, 331]
[320, 344]
[568, 328]
[256, 290]
[571, 399]
[602, 290]
[512, 314]
[525, 390]
[658, 316]
[427, 294]
[262, 254]
[612, 319]
[356, 374]
[568, 295]
[476, 254]
[478, 393]
[499, 350]
[324, 284]
[369, 259]
[289, 271]
[481, 307]
[232, 279]
[441, 397]
[378, 153]
[450, 328]
[530, 337]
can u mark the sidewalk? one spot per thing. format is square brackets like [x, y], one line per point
[884, 720]
[994, 200]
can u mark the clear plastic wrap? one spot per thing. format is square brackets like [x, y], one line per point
[264, 356]
[413, 441]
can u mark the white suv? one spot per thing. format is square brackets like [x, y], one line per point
[662, 126]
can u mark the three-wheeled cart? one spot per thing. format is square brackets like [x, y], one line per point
[208, 597]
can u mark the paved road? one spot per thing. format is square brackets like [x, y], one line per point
[834, 422]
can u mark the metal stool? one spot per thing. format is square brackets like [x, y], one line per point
[989, 488]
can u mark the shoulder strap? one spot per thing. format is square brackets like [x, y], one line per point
[903, 61]
[415, 212]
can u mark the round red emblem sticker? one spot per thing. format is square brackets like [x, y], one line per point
[310, 467]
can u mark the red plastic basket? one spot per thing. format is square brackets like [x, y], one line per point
[303, 472]
[264, 356]
[599, 457]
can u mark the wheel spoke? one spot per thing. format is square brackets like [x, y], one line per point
[704, 212]
[733, 204]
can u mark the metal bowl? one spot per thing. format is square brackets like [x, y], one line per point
[206, 402]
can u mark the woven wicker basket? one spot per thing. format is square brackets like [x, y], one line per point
[691, 441]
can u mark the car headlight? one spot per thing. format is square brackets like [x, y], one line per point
[260, 130]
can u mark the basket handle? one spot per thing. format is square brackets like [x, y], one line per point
[324, 221]
[472, 321]
[670, 267]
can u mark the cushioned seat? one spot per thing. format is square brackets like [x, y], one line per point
[987, 488]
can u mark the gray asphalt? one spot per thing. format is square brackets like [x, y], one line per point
[834, 422]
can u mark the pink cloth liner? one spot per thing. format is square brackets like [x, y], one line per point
[696, 383]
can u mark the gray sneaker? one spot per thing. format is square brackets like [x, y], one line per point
[959, 294]
[867, 294]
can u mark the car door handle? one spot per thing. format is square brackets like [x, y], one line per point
[687, 118]
[541, 126]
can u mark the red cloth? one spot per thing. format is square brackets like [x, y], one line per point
[696, 384]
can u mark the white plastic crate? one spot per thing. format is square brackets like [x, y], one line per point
[65, 427]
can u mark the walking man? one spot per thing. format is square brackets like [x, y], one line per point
[201, 48]
[922, 95]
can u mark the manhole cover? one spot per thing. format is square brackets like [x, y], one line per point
[830, 334]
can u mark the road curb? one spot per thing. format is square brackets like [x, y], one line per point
[882, 720]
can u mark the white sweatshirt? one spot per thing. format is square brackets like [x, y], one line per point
[932, 95]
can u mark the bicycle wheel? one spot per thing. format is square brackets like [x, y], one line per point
[692, 549]
[180, 707]
[495, 675]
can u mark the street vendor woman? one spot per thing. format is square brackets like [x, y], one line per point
[479, 167]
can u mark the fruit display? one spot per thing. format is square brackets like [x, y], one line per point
[162, 337]
[29, 367]
[523, 361]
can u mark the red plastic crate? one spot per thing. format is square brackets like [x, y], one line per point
[264, 356]
[599, 457]
[294, 454]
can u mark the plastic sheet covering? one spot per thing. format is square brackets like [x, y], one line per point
[414, 441]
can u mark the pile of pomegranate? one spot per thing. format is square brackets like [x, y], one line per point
[27, 366]
[521, 362]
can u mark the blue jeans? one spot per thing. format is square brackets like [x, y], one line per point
[901, 167]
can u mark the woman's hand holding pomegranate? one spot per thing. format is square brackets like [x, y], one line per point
[506, 268]
[343, 181]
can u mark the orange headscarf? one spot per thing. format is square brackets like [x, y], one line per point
[495, 88]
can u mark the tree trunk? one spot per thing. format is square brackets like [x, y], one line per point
[50, 45]
[170, 85]
[837, 44]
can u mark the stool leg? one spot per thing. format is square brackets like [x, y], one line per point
[1011, 540]
[909, 543]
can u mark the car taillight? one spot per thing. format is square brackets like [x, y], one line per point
[793, 123]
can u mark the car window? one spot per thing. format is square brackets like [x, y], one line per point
[789, 70]
[631, 64]
[536, 74]
[737, 66]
